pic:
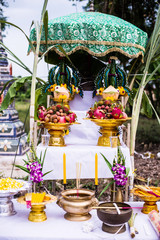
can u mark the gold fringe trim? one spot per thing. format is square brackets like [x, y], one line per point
[118, 44]
[115, 49]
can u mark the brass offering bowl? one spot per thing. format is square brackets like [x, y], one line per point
[77, 203]
[149, 201]
[37, 213]
[56, 131]
[112, 221]
[109, 128]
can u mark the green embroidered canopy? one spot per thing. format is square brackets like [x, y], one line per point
[95, 33]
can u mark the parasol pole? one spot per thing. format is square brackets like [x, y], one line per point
[34, 75]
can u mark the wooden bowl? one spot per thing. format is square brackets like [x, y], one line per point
[112, 221]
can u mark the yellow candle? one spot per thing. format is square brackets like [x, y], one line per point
[96, 169]
[64, 168]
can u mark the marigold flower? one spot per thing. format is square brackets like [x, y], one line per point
[64, 85]
[52, 88]
[121, 90]
[62, 97]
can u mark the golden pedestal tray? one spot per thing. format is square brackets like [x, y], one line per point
[37, 213]
[109, 128]
[149, 201]
[56, 131]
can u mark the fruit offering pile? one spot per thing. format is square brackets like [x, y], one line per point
[56, 114]
[107, 109]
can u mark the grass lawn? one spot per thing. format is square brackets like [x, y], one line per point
[148, 131]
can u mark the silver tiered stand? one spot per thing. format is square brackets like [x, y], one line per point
[6, 204]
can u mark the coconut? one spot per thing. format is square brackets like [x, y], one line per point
[61, 91]
[110, 92]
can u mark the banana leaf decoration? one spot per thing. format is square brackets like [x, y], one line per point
[111, 75]
[63, 75]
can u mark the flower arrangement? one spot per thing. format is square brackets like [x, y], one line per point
[34, 166]
[56, 114]
[118, 169]
[63, 78]
[107, 109]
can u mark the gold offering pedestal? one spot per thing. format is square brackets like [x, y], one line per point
[37, 213]
[108, 128]
[149, 201]
[56, 131]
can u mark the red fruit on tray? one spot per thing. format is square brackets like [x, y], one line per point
[62, 120]
[58, 106]
[72, 117]
[99, 114]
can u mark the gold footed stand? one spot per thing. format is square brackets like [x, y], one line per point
[109, 128]
[37, 213]
[56, 131]
[148, 206]
[78, 217]
[149, 201]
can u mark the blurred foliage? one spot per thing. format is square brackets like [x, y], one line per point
[3, 3]
[140, 13]
[148, 131]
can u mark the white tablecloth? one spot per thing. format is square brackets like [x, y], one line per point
[84, 154]
[18, 227]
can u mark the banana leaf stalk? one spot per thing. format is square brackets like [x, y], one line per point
[154, 45]
[33, 86]
[131, 225]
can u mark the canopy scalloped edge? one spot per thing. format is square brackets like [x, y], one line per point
[102, 54]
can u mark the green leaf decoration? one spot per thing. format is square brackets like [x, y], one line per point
[13, 90]
[42, 162]
[127, 171]
[6, 84]
[108, 163]
[45, 24]
[106, 187]
[9, 23]
[47, 173]
[22, 168]
[146, 107]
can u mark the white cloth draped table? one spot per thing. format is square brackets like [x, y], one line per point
[84, 154]
[18, 227]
